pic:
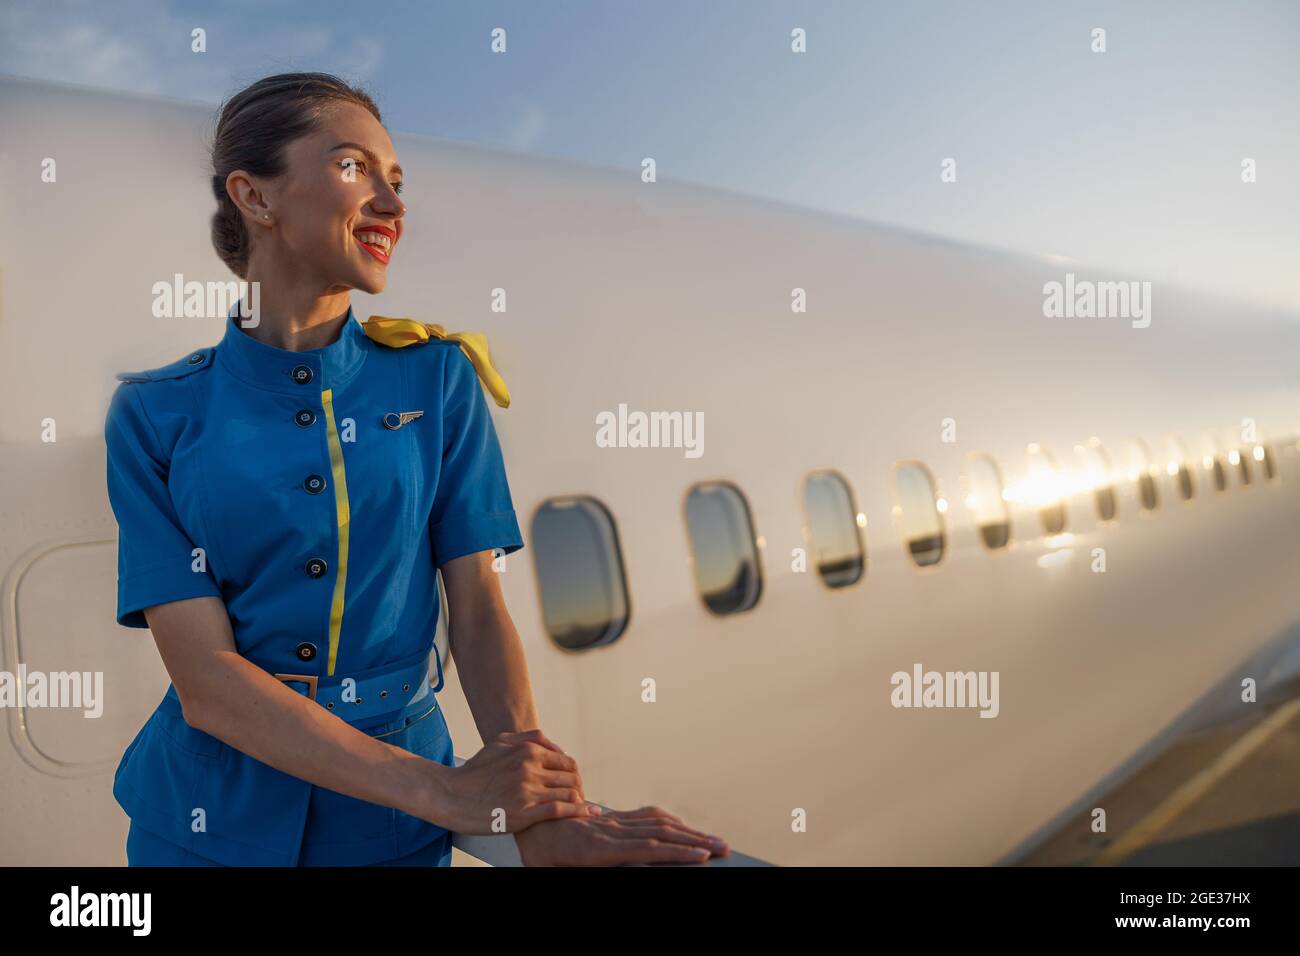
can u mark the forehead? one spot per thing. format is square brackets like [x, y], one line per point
[342, 122]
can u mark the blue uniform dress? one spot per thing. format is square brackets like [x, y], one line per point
[268, 478]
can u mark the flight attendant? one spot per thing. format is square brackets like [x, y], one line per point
[285, 499]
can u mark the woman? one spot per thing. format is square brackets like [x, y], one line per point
[284, 500]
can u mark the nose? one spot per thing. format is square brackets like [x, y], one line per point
[388, 203]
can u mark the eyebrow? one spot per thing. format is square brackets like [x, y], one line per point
[368, 153]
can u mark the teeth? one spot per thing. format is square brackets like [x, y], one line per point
[375, 239]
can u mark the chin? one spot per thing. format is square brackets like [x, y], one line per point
[370, 284]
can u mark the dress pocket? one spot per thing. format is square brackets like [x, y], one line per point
[188, 738]
[425, 734]
[159, 776]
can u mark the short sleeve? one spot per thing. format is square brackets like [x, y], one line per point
[155, 557]
[472, 508]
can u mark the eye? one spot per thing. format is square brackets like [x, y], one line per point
[397, 188]
[358, 164]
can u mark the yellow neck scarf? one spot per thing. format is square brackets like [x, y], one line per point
[399, 333]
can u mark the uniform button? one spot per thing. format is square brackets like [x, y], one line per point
[314, 484]
[304, 417]
[316, 568]
[196, 358]
[306, 652]
[302, 374]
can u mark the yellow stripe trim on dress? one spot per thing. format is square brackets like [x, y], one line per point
[344, 521]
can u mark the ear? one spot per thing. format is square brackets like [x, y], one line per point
[248, 196]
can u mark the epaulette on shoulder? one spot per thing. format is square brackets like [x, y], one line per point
[191, 363]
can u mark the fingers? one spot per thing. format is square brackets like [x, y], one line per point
[651, 850]
[655, 821]
[553, 762]
[557, 792]
[550, 810]
[554, 781]
[552, 756]
[667, 832]
[547, 808]
[645, 812]
[544, 756]
[568, 781]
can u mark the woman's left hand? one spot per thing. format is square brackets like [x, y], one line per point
[616, 837]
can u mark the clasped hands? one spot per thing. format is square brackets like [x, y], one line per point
[537, 786]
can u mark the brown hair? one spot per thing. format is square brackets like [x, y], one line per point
[253, 129]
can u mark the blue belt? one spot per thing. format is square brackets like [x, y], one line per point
[373, 696]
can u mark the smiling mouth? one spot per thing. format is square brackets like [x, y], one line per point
[376, 243]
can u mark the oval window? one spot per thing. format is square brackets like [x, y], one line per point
[917, 509]
[1099, 475]
[1179, 468]
[1241, 463]
[982, 482]
[1264, 455]
[579, 572]
[1045, 489]
[1142, 474]
[1214, 463]
[723, 546]
[834, 529]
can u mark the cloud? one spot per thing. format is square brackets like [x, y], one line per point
[73, 52]
[145, 47]
[527, 132]
[362, 60]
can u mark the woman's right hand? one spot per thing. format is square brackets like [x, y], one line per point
[515, 781]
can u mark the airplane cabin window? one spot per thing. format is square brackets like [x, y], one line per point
[1100, 476]
[834, 528]
[579, 572]
[982, 483]
[1179, 469]
[1264, 455]
[917, 509]
[1142, 474]
[1242, 464]
[723, 546]
[1220, 475]
[1045, 489]
[1213, 462]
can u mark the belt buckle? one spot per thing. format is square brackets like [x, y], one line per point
[308, 679]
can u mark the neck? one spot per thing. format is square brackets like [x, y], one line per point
[296, 319]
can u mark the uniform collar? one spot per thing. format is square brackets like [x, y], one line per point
[281, 370]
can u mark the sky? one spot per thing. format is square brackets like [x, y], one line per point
[1128, 159]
